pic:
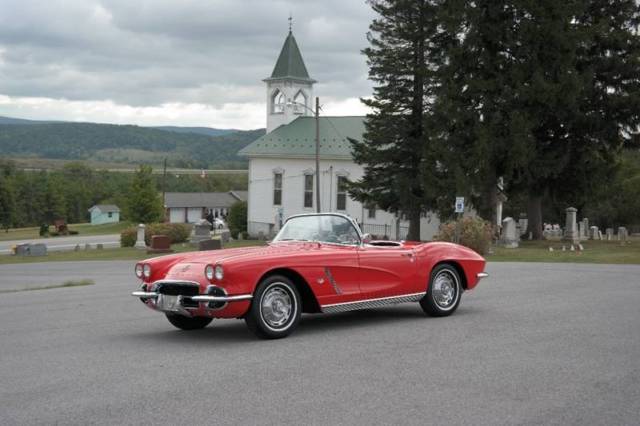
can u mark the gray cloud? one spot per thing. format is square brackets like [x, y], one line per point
[146, 53]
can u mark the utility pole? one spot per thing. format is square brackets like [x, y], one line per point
[317, 154]
[164, 186]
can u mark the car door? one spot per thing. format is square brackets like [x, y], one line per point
[387, 271]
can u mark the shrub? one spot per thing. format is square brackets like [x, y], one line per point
[128, 237]
[177, 233]
[474, 233]
[237, 218]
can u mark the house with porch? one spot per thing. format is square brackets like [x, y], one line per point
[282, 163]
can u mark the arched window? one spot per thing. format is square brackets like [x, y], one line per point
[299, 102]
[278, 101]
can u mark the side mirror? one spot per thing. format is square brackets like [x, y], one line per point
[366, 238]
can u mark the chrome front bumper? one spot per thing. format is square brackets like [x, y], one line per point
[185, 305]
[198, 298]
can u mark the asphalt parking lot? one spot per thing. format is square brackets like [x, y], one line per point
[533, 344]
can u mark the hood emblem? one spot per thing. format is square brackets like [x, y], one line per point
[185, 268]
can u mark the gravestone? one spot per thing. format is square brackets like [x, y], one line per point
[201, 231]
[585, 222]
[600, 235]
[510, 235]
[140, 237]
[87, 246]
[609, 234]
[225, 236]
[594, 233]
[622, 233]
[160, 244]
[215, 244]
[31, 250]
[571, 228]
[523, 223]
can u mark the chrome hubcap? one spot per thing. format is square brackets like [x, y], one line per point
[445, 289]
[276, 306]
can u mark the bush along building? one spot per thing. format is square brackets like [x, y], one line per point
[282, 163]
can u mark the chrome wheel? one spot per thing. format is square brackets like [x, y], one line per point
[445, 289]
[277, 306]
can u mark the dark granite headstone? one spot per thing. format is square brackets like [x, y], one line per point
[210, 245]
[160, 244]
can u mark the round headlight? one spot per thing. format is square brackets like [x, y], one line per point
[219, 273]
[208, 272]
[138, 270]
[146, 270]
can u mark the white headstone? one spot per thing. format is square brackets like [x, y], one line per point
[510, 236]
[571, 228]
[140, 237]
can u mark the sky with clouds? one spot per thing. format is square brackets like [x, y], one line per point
[174, 62]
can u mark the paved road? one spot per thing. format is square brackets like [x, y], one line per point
[534, 344]
[65, 243]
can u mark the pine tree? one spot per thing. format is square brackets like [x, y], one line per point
[544, 93]
[143, 203]
[395, 150]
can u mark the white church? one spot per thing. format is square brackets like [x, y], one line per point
[282, 167]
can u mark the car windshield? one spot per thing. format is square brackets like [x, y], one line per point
[322, 228]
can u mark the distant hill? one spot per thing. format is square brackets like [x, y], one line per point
[9, 120]
[209, 131]
[123, 144]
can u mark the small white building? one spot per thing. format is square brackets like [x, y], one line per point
[282, 162]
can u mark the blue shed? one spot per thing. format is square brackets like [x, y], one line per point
[104, 213]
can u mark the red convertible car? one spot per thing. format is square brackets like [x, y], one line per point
[316, 263]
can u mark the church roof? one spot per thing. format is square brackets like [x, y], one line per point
[290, 63]
[297, 139]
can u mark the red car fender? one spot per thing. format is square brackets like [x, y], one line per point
[468, 262]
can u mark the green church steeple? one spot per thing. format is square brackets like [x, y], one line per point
[290, 64]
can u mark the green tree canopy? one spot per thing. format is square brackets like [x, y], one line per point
[143, 202]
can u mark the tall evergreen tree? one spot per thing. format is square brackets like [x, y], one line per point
[395, 151]
[143, 203]
[543, 93]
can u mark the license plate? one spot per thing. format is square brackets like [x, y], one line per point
[169, 303]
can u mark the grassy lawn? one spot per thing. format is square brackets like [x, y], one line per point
[82, 229]
[594, 252]
[126, 253]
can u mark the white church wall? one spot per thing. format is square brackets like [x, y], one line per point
[263, 215]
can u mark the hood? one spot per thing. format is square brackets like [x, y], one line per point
[214, 256]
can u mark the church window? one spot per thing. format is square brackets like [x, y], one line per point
[277, 189]
[341, 193]
[278, 102]
[299, 103]
[308, 190]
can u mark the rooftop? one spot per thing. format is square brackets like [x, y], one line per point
[202, 199]
[297, 139]
[106, 208]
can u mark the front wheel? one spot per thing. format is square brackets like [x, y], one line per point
[275, 309]
[188, 323]
[443, 294]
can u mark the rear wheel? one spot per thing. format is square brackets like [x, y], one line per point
[443, 294]
[275, 309]
[188, 323]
